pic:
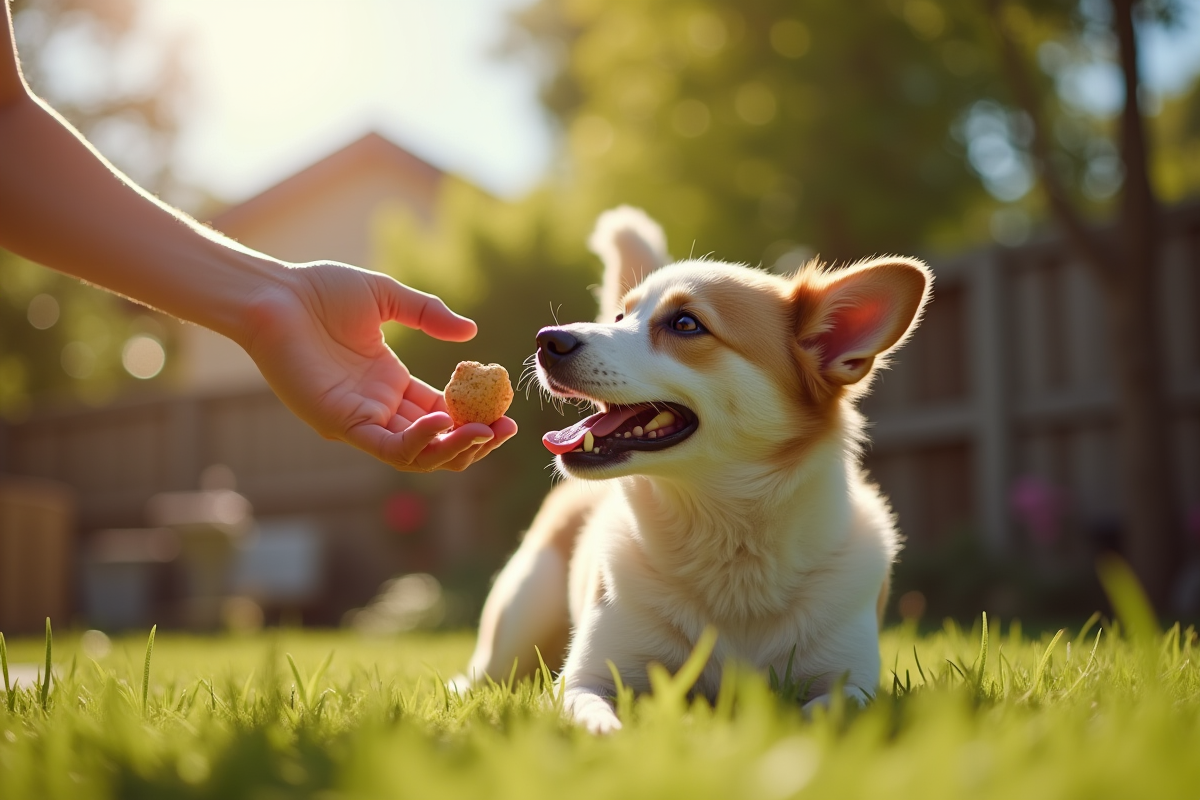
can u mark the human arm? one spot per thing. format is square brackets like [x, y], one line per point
[312, 329]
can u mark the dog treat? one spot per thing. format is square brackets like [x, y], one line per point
[478, 393]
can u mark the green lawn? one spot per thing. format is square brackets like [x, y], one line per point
[1094, 713]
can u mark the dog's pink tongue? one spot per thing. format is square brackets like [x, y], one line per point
[602, 424]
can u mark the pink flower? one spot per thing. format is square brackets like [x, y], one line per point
[1040, 506]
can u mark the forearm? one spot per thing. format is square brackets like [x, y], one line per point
[64, 206]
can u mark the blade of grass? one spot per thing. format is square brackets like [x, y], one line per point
[1128, 598]
[1043, 662]
[45, 694]
[244, 694]
[1088, 669]
[548, 681]
[146, 669]
[310, 690]
[693, 668]
[921, 671]
[512, 676]
[8, 690]
[1081, 637]
[983, 654]
[624, 696]
[300, 685]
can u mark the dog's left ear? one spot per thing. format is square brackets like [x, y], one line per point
[850, 317]
[631, 245]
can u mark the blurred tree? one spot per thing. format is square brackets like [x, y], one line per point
[59, 337]
[1125, 261]
[757, 128]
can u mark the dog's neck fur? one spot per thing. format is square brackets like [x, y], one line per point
[744, 539]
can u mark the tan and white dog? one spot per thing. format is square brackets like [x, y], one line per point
[719, 482]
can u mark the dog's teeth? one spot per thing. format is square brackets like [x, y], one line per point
[637, 430]
[661, 421]
[628, 434]
[652, 435]
[596, 450]
[589, 441]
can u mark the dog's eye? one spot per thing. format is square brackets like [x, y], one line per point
[685, 323]
[619, 318]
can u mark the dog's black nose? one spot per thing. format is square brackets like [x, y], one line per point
[554, 344]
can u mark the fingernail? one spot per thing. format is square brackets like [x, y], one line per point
[481, 439]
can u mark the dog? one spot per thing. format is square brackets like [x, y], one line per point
[717, 485]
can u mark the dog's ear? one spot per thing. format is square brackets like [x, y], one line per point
[850, 317]
[631, 245]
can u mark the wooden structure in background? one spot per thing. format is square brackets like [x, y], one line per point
[37, 553]
[1009, 377]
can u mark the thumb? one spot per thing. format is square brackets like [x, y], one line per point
[424, 312]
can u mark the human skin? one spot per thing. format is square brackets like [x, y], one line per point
[312, 329]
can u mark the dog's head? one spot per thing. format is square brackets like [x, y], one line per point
[702, 366]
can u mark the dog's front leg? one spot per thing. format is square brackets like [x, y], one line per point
[847, 663]
[605, 635]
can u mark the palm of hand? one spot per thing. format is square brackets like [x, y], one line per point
[318, 343]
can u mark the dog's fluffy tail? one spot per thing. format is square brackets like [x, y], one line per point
[631, 245]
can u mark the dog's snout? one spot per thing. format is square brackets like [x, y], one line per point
[554, 344]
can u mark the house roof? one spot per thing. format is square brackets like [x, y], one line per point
[372, 151]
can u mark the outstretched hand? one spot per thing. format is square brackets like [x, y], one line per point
[315, 336]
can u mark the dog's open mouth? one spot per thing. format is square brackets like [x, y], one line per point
[623, 429]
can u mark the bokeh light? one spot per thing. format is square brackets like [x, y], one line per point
[43, 312]
[78, 360]
[143, 356]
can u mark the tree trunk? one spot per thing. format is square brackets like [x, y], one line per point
[1128, 273]
[1152, 536]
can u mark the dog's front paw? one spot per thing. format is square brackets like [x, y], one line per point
[592, 712]
[460, 685]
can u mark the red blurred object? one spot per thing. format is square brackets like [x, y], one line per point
[406, 512]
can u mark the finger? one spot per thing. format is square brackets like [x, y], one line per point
[411, 411]
[504, 429]
[446, 448]
[425, 312]
[424, 396]
[464, 459]
[398, 448]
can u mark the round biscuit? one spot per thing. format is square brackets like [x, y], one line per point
[478, 393]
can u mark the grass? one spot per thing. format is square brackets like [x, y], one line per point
[1101, 711]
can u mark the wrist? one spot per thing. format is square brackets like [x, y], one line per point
[261, 295]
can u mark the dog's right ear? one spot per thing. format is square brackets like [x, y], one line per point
[631, 245]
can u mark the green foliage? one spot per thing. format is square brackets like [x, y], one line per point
[9, 696]
[44, 690]
[1004, 716]
[146, 669]
[78, 356]
[757, 128]
[753, 128]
